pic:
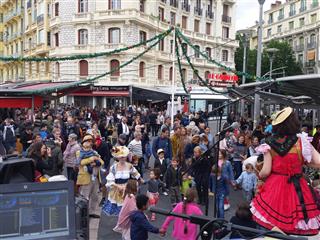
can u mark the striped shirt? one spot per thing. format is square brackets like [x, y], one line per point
[135, 148]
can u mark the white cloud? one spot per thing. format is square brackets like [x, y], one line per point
[247, 12]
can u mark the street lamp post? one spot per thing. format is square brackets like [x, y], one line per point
[258, 69]
[271, 53]
[173, 86]
[245, 34]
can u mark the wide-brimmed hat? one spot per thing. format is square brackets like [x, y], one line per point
[282, 115]
[86, 138]
[120, 151]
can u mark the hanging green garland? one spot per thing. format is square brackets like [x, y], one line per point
[90, 80]
[249, 76]
[83, 56]
[179, 36]
[179, 65]
[196, 71]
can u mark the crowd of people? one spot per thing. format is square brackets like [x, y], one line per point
[109, 151]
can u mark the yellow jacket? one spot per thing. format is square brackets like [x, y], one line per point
[84, 178]
[175, 142]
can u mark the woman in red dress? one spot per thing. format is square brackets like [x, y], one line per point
[286, 201]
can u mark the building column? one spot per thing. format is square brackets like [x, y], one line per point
[104, 102]
[94, 101]
[64, 99]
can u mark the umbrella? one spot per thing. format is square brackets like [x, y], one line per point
[185, 106]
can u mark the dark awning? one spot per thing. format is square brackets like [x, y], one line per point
[294, 90]
[149, 94]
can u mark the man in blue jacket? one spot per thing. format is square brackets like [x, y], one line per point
[140, 225]
[163, 142]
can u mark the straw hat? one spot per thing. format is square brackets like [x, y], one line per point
[120, 151]
[282, 115]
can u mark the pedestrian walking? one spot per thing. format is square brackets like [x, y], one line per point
[173, 180]
[129, 205]
[154, 184]
[183, 229]
[220, 190]
[163, 142]
[200, 170]
[89, 177]
[240, 151]
[248, 181]
[140, 225]
[70, 157]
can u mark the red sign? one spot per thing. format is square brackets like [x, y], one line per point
[220, 80]
[223, 77]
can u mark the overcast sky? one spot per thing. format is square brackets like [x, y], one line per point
[248, 12]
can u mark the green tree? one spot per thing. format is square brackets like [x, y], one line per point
[283, 58]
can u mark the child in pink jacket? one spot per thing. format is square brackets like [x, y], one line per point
[182, 228]
[129, 205]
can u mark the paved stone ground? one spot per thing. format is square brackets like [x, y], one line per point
[107, 222]
[102, 229]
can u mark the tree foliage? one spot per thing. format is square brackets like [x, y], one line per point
[283, 58]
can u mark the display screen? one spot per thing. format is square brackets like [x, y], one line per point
[34, 215]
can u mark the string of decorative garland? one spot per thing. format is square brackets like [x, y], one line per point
[179, 64]
[196, 71]
[83, 56]
[247, 75]
[90, 80]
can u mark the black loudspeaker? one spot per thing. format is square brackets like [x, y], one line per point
[16, 170]
[82, 218]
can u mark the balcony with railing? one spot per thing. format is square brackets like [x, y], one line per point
[292, 13]
[226, 19]
[209, 14]
[311, 45]
[185, 7]
[13, 13]
[55, 21]
[174, 3]
[198, 11]
[85, 16]
[299, 48]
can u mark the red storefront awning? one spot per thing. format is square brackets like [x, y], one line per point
[20, 102]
